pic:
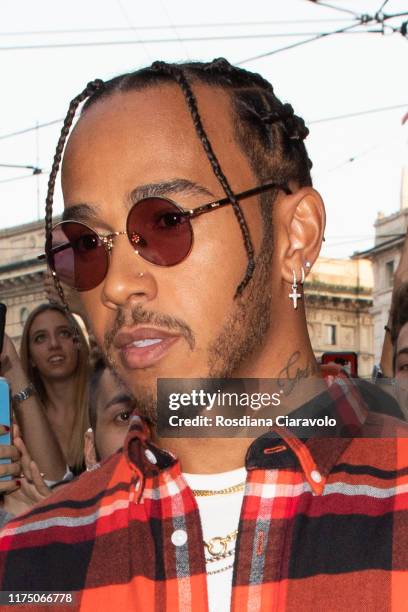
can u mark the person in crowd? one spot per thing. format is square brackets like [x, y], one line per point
[26, 487]
[54, 364]
[397, 337]
[391, 329]
[28, 411]
[110, 408]
[190, 224]
[54, 354]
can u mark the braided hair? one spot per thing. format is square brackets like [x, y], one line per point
[268, 131]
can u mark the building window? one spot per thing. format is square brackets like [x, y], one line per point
[389, 273]
[331, 334]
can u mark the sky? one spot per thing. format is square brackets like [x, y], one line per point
[41, 70]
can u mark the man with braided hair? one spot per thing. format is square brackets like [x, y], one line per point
[190, 225]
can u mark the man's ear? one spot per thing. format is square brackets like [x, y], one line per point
[89, 449]
[300, 221]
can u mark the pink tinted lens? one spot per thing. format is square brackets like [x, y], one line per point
[78, 256]
[159, 231]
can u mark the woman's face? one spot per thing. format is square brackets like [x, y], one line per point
[51, 346]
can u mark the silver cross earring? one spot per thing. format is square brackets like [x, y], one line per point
[295, 296]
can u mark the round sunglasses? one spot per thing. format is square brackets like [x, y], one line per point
[157, 228]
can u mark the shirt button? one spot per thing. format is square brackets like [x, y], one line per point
[179, 537]
[150, 456]
[315, 476]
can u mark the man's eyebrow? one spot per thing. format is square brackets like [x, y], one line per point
[403, 351]
[85, 212]
[120, 398]
[80, 212]
[164, 188]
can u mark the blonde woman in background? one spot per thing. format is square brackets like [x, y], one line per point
[49, 390]
[55, 358]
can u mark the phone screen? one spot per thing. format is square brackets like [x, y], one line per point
[5, 419]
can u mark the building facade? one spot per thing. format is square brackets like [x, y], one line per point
[21, 274]
[390, 232]
[338, 309]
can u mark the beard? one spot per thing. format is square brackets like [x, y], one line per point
[246, 324]
[242, 333]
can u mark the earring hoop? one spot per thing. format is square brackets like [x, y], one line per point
[294, 295]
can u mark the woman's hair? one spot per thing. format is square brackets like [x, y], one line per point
[75, 457]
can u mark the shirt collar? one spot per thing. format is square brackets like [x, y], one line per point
[282, 447]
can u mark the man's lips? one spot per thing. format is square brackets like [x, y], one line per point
[143, 346]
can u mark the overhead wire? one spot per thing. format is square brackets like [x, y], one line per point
[174, 28]
[167, 27]
[394, 15]
[357, 156]
[336, 8]
[108, 43]
[357, 113]
[30, 129]
[35, 169]
[363, 20]
[382, 6]
[19, 178]
[299, 43]
[134, 29]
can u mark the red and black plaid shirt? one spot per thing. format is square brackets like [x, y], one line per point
[323, 527]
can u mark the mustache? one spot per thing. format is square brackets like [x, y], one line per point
[138, 315]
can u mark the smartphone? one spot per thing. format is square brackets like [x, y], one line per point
[3, 310]
[347, 360]
[5, 419]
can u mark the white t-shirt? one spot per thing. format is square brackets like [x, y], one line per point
[219, 516]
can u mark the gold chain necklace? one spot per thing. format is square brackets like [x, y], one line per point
[222, 569]
[217, 546]
[229, 553]
[208, 492]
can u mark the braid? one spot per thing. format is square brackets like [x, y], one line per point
[256, 103]
[91, 88]
[180, 78]
[88, 91]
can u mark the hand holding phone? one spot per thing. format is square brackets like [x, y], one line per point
[9, 455]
